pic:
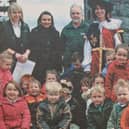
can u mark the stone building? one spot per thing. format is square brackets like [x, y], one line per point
[120, 11]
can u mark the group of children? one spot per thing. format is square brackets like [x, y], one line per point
[70, 101]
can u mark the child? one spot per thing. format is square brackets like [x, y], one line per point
[98, 79]
[119, 68]
[24, 82]
[6, 61]
[122, 93]
[110, 56]
[51, 76]
[75, 107]
[53, 113]
[14, 112]
[33, 98]
[99, 110]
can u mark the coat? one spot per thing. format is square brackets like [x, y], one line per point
[97, 119]
[45, 50]
[47, 119]
[14, 115]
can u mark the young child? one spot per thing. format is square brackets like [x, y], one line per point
[6, 60]
[24, 82]
[118, 69]
[51, 76]
[110, 56]
[53, 113]
[75, 106]
[122, 93]
[33, 98]
[98, 79]
[99, 110]
[14, 112]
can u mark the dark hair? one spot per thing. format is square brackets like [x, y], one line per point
[96, 76]
[76, 56]
[16, 86]
[45, 13]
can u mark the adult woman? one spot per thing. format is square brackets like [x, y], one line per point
[14, 33]
[102, 35]
[44, 45]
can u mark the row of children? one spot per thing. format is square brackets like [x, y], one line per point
[118, 69]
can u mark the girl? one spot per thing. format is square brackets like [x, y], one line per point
[118, 69]
[14, 112]
[99, 110]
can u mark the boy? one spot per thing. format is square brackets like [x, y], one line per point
[53, 113]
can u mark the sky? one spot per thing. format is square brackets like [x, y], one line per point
[58, 8]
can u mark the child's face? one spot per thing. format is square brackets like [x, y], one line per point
[109, 59]
[122, 55]
[97, 98]
[77, 64]
[84, 88]
[11, 92]
[34, 89]
[123, 95]
[53, 97]
[99, 81]
[51, 77]
[6, 64]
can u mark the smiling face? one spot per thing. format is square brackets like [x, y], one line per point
[46, 21]
[122, 56]
[11, 92]
[100, 13]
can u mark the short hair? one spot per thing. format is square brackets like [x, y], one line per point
[86, 81]
[16, 86]
[34, 81]
[53, 87]
[98, 89]
[15, 7]
[96, 76]
[75, 5]
[6, 55]
[123, 46]
[121, 83]
[76, 56]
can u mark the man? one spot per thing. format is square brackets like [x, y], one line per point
[72, 35]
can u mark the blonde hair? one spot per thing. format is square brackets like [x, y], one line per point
[53, 87]
[121, 83]
[15, 7]
[6, 55]
[98, 89]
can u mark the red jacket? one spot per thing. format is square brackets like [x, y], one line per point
[5, 76]
[115, 72]
[124, 121]
[14, 115]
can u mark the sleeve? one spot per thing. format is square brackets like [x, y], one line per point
[109, 81]
[2, 123]
[67, 117]
[112, 119]
[41, 123]
[26, 121]
[86, 63]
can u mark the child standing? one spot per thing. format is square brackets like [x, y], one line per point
[6, 60]
[122, 93]
[118, 69]
[14, 112]
[53, 113]
[33, 98]
[99, 110]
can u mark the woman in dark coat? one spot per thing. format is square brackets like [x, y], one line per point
[45, 46]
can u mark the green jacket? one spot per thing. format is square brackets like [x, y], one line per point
[98, 116]
[114, 119]
[72, 40]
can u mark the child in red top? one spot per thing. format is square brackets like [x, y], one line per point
[33, 98]
[14, 112]
[6, 61]
[118, 69]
